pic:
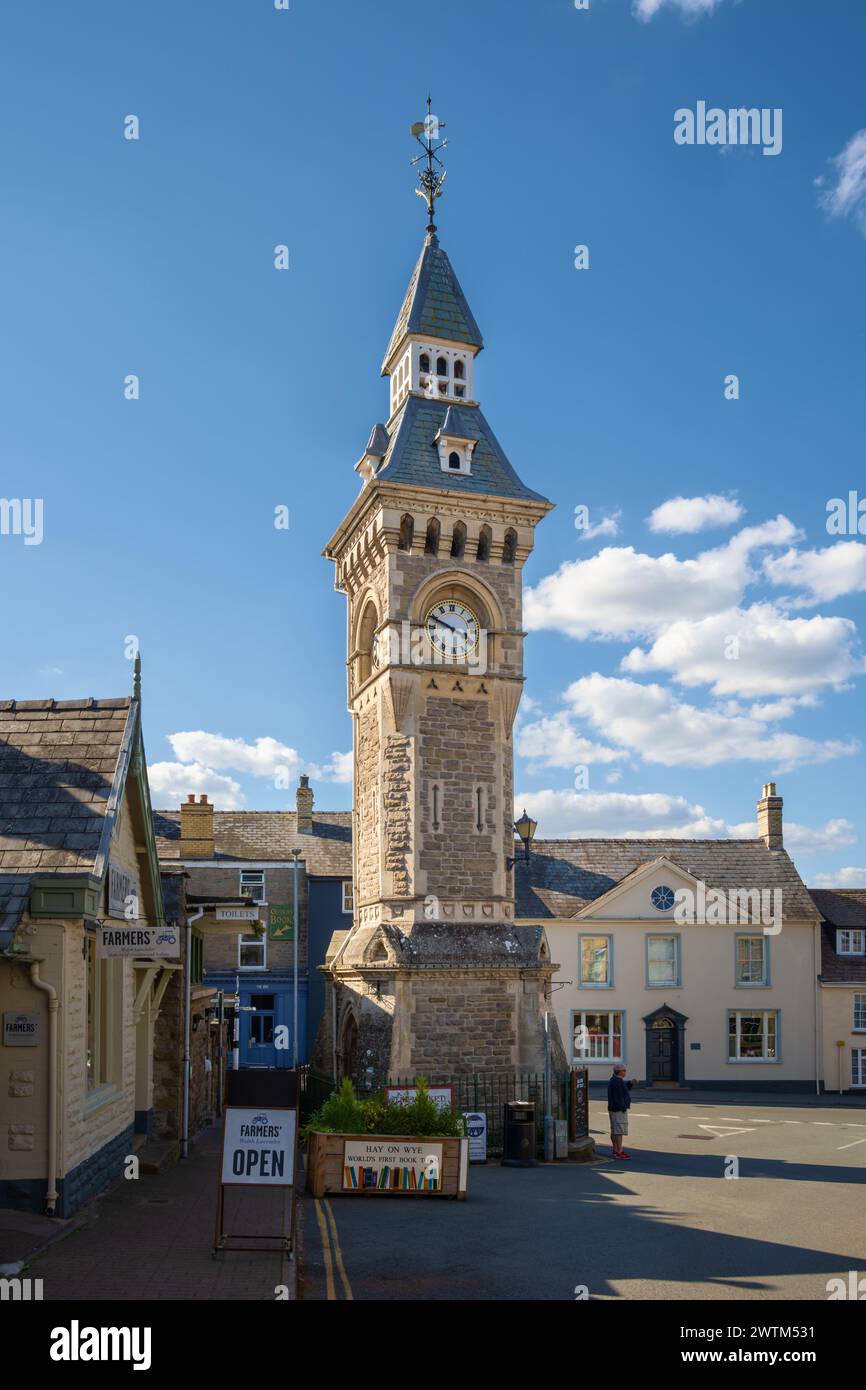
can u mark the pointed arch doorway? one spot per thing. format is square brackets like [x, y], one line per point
[665, 1046]
[347, 1056]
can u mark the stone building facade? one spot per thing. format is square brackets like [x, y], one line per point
[434, 975]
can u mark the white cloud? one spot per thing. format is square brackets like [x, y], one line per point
[826, 574]
[266, 757]
[650, 721]
[554, 742]
[805, 839]
[338, 768]
[622, 593]
[569, 815]
[608, 526]
[690, 9]
[170, 783]
[849, 877]
[685, 515]
[754, 651]
[846, 196]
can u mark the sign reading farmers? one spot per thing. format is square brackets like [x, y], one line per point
[259, 1147]
[280, 925]
[20, 1030]
[137, 941]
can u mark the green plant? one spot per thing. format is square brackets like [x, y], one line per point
[343, 1113]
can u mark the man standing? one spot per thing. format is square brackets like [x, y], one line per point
[618, 1102]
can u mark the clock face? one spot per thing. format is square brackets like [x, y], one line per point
[452, 628]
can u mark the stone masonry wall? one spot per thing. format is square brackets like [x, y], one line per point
[458, 754]
[367, 807]
[463, 1024]
[398, 813]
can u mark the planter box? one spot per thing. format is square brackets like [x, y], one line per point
[364, 1165]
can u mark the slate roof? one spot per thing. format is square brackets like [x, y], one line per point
[434, 305]
[263, 835]
[58, 760]
[454, 426]
[564, 876]
[840, 907]
[412, 455]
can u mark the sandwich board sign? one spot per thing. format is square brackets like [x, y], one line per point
[259, 1149]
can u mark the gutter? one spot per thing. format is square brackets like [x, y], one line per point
[187, 1003]
[51, 1193]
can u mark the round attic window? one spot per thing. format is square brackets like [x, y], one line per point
[662, 898]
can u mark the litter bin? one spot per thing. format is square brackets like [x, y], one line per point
[518, 1134]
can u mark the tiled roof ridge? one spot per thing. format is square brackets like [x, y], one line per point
[841, 892]
[17, 706]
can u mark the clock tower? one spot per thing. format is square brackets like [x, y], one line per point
[434, 977]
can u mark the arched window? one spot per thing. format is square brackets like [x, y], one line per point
[459, 369]
[455, 461]
[431, 543]
[509, 548]
[424, 362]
[369, 623]
[485, 536]
[407, 530]
[441, 366]
[458, 541]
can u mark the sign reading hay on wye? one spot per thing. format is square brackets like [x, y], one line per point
[259, 1147]
[392, 1165]
[20, 1030]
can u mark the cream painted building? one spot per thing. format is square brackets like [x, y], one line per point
[78, 873]
[694, 962]
[843, 987]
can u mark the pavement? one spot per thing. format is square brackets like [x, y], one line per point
[672, 1223]
[152, 1238]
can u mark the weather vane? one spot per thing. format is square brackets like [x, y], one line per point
[432, 177]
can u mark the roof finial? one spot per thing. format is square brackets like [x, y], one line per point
[136, 676]
[426, 132]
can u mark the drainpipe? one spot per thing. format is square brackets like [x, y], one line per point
[187, 1002]
[819, 1013]
[296, 933]
[51, 1193]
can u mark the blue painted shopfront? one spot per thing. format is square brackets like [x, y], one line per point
[267, 1003]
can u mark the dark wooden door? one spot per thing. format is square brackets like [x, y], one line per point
[662, 1059]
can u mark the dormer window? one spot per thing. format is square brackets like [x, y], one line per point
[455, 444]
[455, 461]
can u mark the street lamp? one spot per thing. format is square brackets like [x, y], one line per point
[526, 828]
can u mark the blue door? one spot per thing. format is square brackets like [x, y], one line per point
[259, 1050]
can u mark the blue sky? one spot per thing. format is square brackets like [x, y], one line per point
[605, 386]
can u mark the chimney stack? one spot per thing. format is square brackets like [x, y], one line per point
[196, 828]
[304, 805]
[770, 817]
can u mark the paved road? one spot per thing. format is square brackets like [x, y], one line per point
[666, 1225]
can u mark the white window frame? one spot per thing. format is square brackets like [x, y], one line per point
[250, 939]
[595, 984]
[578, 1019]
[765, 1059]
[858, 1068]
[765, 949]
[852, 934]
[259, 880]
[859, 1009]
[348, 897]
[676, 982]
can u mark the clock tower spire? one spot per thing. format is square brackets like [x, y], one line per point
[434, 976]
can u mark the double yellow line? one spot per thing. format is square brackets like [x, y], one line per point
[332, 1252]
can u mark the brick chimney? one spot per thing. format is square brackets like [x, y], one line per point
[304, 805]
[196, 828]
[770, 817]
